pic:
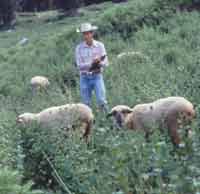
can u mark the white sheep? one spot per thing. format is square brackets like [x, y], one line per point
[170, 113]
[66, 116]
[38, 83]
[131, 53]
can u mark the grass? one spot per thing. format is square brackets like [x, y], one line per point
[115, 160]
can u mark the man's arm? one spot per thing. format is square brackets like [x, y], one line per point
[80, 64]
[104, 62]
[96, 65]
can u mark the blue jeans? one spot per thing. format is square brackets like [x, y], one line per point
[95, 82]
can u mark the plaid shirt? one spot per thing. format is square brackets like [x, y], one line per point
[85, 55]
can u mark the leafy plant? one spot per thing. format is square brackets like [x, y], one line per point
[115, 160]
[10, 182]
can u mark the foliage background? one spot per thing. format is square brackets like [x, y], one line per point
[167, 38]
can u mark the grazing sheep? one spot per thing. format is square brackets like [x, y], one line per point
[119, 113]
[130, 53]
[38, 83]
[170, 113]
[66, 116]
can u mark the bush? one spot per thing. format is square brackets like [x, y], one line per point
[128, 18]
[70, 5]
[89, 2]
[7, 12]
[115, 160]
[118, 1]
[10, 182]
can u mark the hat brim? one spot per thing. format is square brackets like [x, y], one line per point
[89, 30]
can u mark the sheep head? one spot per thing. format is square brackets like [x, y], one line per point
[26, 118]
[119, 113]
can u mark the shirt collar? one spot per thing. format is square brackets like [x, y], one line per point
[94, 44]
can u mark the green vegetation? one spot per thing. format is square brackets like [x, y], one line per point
[10, 183]
[169, 42]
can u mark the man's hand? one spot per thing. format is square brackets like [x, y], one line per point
[95, 64]
[96, 61]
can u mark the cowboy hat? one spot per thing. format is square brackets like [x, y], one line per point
[86, 27]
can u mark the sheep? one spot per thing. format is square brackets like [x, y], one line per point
[119, 113]
[38, 83]
[131, 53]
[65, 116]
[169, 113]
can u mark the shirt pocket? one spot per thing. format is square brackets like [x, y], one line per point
[96, 53]
[86, 56]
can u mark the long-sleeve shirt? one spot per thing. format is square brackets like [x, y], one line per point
[85, 55]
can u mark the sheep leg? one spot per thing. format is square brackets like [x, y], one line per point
[130, 125]
[172, 125]
[148, 133]
[87, 131]
[34, 90]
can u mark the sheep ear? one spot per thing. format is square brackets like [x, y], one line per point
[128, 110]
[111, 113]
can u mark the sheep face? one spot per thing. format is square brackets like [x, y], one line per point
[26, 118]
[187, 116]
[119, 113]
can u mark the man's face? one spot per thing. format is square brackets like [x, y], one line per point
[88, 37]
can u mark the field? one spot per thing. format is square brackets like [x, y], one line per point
[116, 161]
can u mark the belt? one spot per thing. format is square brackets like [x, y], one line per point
[90, 72]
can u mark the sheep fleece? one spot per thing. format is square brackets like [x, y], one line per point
[65, 116]
[39, 81]
[166, 112]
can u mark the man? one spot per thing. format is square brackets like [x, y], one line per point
[91, 59]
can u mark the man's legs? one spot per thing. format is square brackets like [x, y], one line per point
[100, 92]
[85, 90]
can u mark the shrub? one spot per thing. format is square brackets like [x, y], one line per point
[7, 12]
[10, 182]
[89, 2]
[115, 160]
[70, 5]
[128, 18]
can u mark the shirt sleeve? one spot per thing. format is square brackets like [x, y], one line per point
[80, 64]
[105, 62]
